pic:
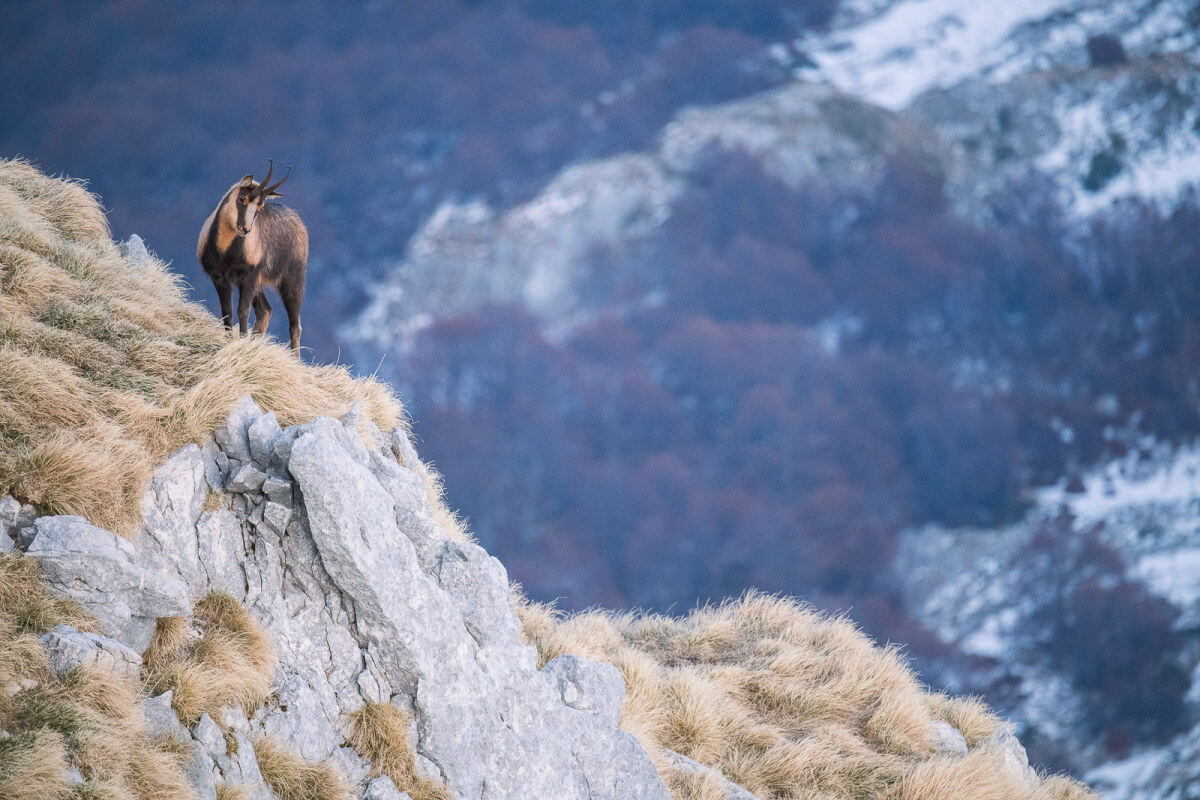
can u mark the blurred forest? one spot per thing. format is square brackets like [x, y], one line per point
[824, 368]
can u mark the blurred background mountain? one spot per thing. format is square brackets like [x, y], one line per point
[893, 305]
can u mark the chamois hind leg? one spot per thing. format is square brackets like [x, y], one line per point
[245, 296]
[292, 292]
[262, 312]
[225, 296]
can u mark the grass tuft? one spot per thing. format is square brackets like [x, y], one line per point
[220, 657]
[379, 732]
[290, 777]
[33, 765]
[232, 791]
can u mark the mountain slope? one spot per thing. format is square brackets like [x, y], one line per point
[325, 631]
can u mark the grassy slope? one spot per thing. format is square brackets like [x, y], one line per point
[105, 369]
[788, 703]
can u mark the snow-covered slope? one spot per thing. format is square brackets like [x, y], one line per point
[889, 53]
[1012, 85]
[984, 592]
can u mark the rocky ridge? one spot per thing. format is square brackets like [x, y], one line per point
[332, 545]
[535, 254]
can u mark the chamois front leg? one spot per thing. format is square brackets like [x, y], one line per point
[225, 296]
[245, 296]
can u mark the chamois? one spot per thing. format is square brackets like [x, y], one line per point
[250, 244]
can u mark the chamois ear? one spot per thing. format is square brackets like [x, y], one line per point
[275, 194]
[246, 181]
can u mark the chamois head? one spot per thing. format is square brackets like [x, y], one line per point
[251, 196]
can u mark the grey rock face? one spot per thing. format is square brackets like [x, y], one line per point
[10, 510]
[262, 434]
[232, 757]
[588, 686]
[200, 771]
[103, 573]
[384, 789]
[69, 648]
[16, 520]
[161, 719]
[170, 508]
[276, 517]
[367, 599]
[1015, 757]
[248, 478]
[278, 491]
[233, 437]
[478, 587]
[493, 724]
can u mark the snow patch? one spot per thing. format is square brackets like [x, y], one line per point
[916, 45]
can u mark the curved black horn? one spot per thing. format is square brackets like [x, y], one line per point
[266, 180]
[271, 189]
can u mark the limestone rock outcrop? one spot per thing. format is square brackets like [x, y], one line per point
[325, 534]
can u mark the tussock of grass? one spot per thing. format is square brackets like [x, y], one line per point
[33, 765]
[27, 610]
[980, 775]
[681, 783]
[379, 732]
[220, 657]
[232, 791]
[290, 777]
[89, 720]
[787, 702]
[105, 369]
[970, 715]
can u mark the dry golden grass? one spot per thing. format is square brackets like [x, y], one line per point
[379, 732]
[232, 791]
[784, 701]
[220, 657]
[28, 609]
[682, 783]
[84, 719]
[105, 369]
[34, 766]
[290, 777]
[970, 715]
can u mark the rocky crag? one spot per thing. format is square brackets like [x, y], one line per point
[332, 546]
